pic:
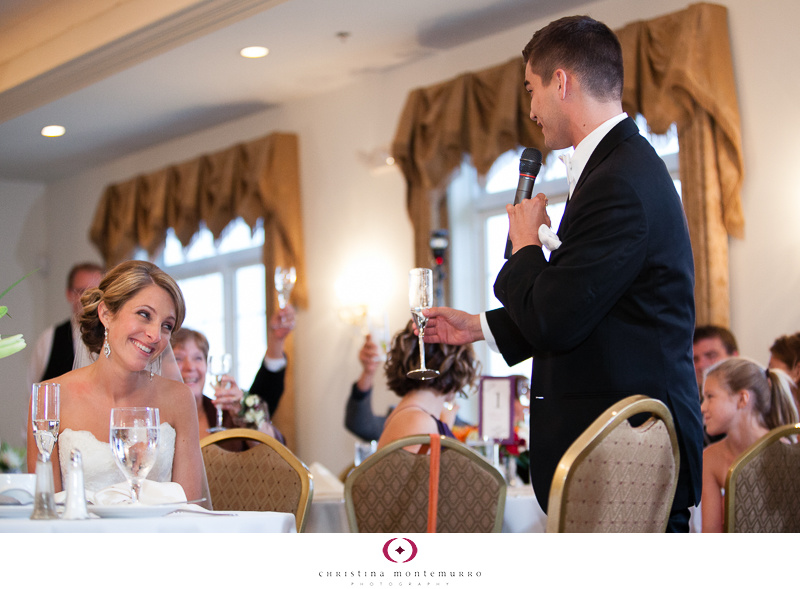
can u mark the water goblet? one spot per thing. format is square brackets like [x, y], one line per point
[45, 411]
[420, 297]
[133, 436]
[218, 366]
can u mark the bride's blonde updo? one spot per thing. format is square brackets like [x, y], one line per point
[117, 287]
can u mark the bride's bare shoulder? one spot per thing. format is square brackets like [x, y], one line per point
[74, 379]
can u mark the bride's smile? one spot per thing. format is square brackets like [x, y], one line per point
[141, 329]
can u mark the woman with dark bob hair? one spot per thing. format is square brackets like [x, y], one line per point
[423, 400]
[127, 322]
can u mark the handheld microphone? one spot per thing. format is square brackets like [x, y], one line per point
[529, 164]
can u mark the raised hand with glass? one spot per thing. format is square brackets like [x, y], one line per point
[285, 278]
[420, 297]
[219, 365]
[133, 436]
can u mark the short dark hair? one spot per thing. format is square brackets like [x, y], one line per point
[83, 267]
[583, 46]
[787, 349]
[702, 332]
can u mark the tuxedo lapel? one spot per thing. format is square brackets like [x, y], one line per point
[619, 133]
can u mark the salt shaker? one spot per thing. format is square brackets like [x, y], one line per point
[76, 492]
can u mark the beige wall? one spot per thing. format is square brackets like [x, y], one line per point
[351, 214]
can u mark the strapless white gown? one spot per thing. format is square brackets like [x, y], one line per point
[99, 468]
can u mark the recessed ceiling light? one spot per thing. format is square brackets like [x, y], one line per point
[254, 52]
[53, 131]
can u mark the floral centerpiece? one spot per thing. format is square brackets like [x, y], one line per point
[13, 343]
[12, 459]
[254, 413]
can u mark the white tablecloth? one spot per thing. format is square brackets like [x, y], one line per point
[522, 514]
[236, 522]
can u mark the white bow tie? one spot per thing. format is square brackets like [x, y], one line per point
[567, 159]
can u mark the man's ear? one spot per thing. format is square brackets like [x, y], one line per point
[561, 79]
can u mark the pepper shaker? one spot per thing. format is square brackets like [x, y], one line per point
[76, 492]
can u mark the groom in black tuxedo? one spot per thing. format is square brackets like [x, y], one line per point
[612, 312]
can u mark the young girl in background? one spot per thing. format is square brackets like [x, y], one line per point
[743, 401]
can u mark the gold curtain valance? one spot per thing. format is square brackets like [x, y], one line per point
[678, 69]
[257, 179]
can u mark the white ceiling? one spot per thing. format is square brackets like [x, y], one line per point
[204, 81]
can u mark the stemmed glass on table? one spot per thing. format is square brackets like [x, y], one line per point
[134, 443]
[285, 277]
[420, 296]
[45, 410]
[218, 366]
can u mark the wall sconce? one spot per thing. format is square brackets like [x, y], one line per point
[362, 292]
[378, 160]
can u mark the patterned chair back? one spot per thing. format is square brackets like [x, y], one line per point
[264, 477]
[761, 488]
[389, 491]
[616, 477]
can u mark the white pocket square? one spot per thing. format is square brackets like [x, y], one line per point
[548, 238]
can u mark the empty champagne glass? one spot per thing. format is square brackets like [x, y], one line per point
[420, 296]
[218, 366]
[134, 443]
[45, 411]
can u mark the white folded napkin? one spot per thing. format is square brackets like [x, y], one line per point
[153, 493]
[548, 238]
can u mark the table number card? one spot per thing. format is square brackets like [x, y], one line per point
[497, 408]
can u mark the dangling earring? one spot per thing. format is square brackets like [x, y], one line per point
[154, 369]
[106, 347]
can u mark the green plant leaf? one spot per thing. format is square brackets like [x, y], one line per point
[11, 345]
[2, 294]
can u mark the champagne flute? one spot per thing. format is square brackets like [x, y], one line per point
[218, 366]
[284, 283]
[45, 410]
[134, 443]
[420, 296]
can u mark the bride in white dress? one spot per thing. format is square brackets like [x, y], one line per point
[128, 321]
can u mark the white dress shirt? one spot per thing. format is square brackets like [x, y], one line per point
[575, 164]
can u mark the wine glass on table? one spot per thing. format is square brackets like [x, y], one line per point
[45, 410]
[420, 296]
[134, 443]
[285, 278]
[218, 366]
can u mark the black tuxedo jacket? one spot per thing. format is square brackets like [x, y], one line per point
[611, 314]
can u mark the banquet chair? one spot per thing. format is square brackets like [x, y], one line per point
[264, 477]
[761, 485]
[616, 477]
[393, 491]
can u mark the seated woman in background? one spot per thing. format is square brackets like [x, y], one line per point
[191, 352]
[130, 318]
[743, 401]
[785, 355]
[359, 419]
[423, 400]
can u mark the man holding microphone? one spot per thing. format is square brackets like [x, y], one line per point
[612, 312]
